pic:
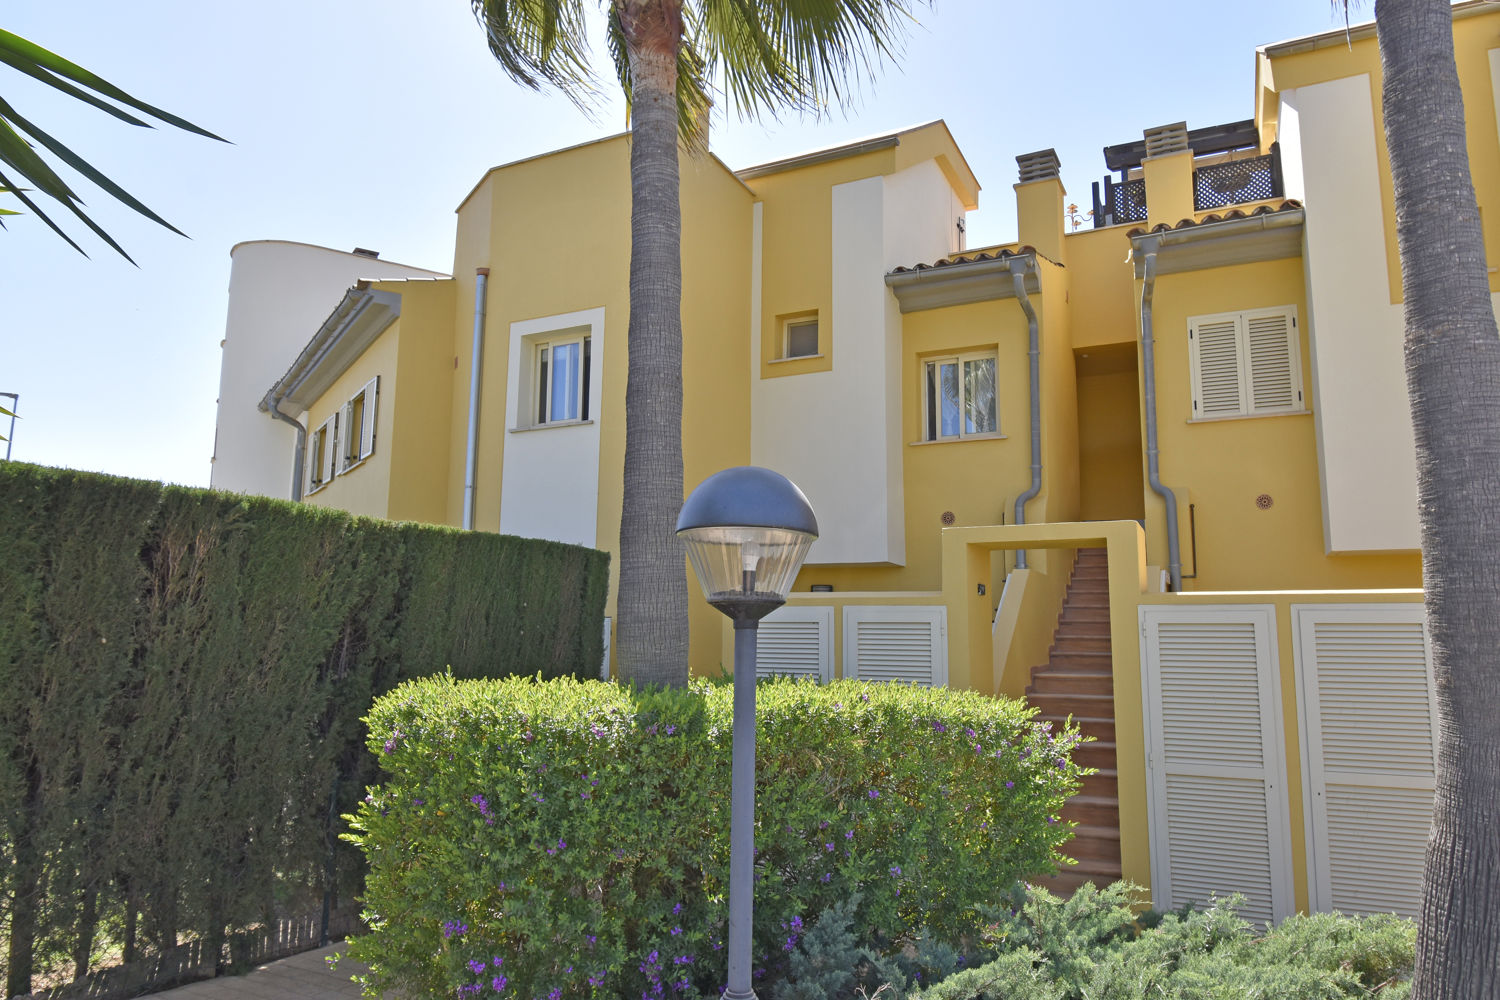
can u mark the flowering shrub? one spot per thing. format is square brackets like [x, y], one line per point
[570, 839]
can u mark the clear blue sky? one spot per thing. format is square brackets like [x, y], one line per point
[364, 124]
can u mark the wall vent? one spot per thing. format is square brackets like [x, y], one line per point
[1166, 139]
[1039, 166]
[362, 252]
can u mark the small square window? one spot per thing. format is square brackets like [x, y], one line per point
[959, 395]
[561, 380]
[801, 339]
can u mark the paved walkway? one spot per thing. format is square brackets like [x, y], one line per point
[301, 977]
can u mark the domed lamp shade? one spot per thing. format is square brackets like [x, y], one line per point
[747, 531]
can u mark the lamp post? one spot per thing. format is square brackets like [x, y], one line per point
[747, 531]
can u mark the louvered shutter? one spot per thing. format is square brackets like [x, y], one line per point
[1215, 355]
[367, 419]
[348, 437]
[1369, 741]
[1214, 759]
[330, 448]
[907, 644]
[1275, 368]
[796, 642]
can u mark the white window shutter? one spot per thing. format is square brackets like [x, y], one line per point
[348, 435]
[796, 642]
[330, 448]
[1275, 368]
[1216, 362]
[310, 464]
[1216, 776]
[367, 427]
[887, 643]
[1369, 717]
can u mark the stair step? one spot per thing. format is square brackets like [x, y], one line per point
[1077, 614]
[1100, 728]
[1094, 843]
[1056, 680]
[1105, 783]
[1098, 753]
[1093, 810]
[1088, 599]
[1089, 584]
[1071, 703]
[1081, 643]
[1081, 628]
[1068, 881]
[1100, 660]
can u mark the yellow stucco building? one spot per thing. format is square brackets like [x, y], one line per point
[1156, 474]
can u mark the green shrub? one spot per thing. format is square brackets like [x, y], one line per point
[1090, 947]
[559, 834]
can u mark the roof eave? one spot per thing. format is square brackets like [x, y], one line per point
[362, 316]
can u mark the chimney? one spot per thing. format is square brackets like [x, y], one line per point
[1168, 171]
[1039, 203]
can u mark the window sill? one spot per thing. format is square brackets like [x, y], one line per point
[353, 465]
[799, 357]
[1248, 416]
[961, 440]
[550, 425]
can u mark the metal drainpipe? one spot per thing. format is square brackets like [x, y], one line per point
[471, 461]
[273, 407]
[1034, 356]
[1153, 471]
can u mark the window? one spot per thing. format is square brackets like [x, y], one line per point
[321, 447]
[959, 397]
[562, 379]
[800, 338]
[1245, 364]
[358, 423]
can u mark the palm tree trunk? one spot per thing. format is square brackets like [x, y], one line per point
[652, 639]
[1453, 378]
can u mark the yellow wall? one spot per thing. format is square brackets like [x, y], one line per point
[421, 413]
[1111, 481]
[364, 489]
[555, 232]
[1101, 295]
[1473, 37]
[1222, 466]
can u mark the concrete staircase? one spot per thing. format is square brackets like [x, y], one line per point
[1078, 681]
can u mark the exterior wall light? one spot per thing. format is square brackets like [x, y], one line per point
[747, 531]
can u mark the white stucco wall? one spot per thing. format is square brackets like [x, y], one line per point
[549, 485]
[837, 434]
[279, 293]
[1366, 456]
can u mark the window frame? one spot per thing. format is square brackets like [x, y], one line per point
[931, 434]
[322, 449]
[540, 379]
[1245, 364]
[358, 439]
[787, 324]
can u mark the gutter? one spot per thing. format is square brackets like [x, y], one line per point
[1148, 370]
[1033, 355]
[271, 404]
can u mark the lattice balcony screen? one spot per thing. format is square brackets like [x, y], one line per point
[1235, 182]
[1130, 201]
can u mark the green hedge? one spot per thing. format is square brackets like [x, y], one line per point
[185, 673]
[573, 837]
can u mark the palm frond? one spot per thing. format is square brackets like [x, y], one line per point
[801, 54]
[18, 154]
[541, 42]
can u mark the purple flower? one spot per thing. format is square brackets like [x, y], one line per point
[455, 928]
[671, 730]
[978, 748]
[796, 923]
[683, 960]
[418, 802]
[864, 697]
[475, 966]
[556, 994]
[938, 727]
[791, 943]
[498, 984]
[828, 847]
[591, 939]
[848, 834]
[895, 870]
[827, 877]
[390, 745]
[497, 961]
[676, 909]
[676, 931]
[597, 980]
[1010, 784]
[468, 989]
[874, 794]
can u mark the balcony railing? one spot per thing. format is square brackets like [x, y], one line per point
[1215, 185]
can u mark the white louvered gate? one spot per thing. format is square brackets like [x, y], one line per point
[908, 644]
[1215, 766]
[1369, 723]
[796, 642]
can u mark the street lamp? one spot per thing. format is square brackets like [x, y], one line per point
[747, 531]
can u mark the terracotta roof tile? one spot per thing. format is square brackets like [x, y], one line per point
[1290, 205]
[967, 258]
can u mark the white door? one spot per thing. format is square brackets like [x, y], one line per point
[1369, 723]
[1215, 765]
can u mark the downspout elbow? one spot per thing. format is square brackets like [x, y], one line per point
[272, 405]
[1034, 359]
[1153, 466]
